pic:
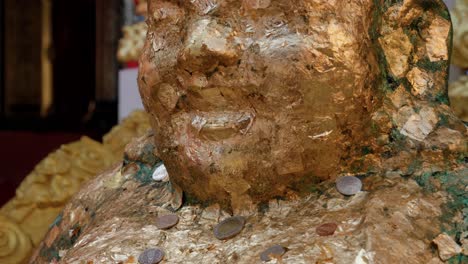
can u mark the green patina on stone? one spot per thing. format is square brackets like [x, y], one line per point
[443, 120]
[189, 200]
[463, 158]
[441, 98]
[374, 32]
[414, 166]
[263, 207]
[389, 3]
[148, 156]
[309, 184]
[432, 66]
[416, 25]
[459, 259]
[438, 7]
[397, 140]
[57, 220]
[412, 32]
[49, 254]
[454, 184]
[404, 81]
[374, 128]
[147, 162]
[64, 241]
[145, 174]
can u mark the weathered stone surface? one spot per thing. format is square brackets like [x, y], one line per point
[446, 246]
[409, 11]
[464, 241]
[400, 97]
[420, 81]
[392, 206]
[274, 252]
[397, 48]
[257, 107]
[233, 69]
[436, 41]
[419, 125]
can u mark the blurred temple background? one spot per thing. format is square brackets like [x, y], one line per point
[59, 76]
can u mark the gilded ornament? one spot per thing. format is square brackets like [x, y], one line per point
[45, 191]
[15, 245]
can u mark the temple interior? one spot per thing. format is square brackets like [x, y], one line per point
[73, 75]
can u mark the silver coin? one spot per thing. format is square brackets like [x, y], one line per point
[229, 228]
[275, 251]
[151, 256]
[167, 221]
[348, 185]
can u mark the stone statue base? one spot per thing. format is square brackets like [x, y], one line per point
[392, 220]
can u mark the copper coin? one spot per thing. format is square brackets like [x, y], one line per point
[273, 252]
[229, 228]
[327, 229]
[151, 256]
[167, 221]
[348, 185]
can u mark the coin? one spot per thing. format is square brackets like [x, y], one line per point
[327, 229]
[275, 251]
[348, 185]
[167, 221]
[230, 227]
[151, 256]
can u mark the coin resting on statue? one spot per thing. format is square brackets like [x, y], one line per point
[151, 256]
[257, 109]
[167, 221]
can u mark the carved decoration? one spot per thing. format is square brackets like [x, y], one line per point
[43, 193]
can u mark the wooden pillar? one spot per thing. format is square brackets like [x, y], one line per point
[107, 35]
[46, 63]
[22, 58]
[2, 60]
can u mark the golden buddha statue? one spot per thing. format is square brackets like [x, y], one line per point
[257, 108]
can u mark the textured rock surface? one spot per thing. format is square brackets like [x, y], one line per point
[250, 99]
[447, 246]
[249, 96]
[391, 221]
